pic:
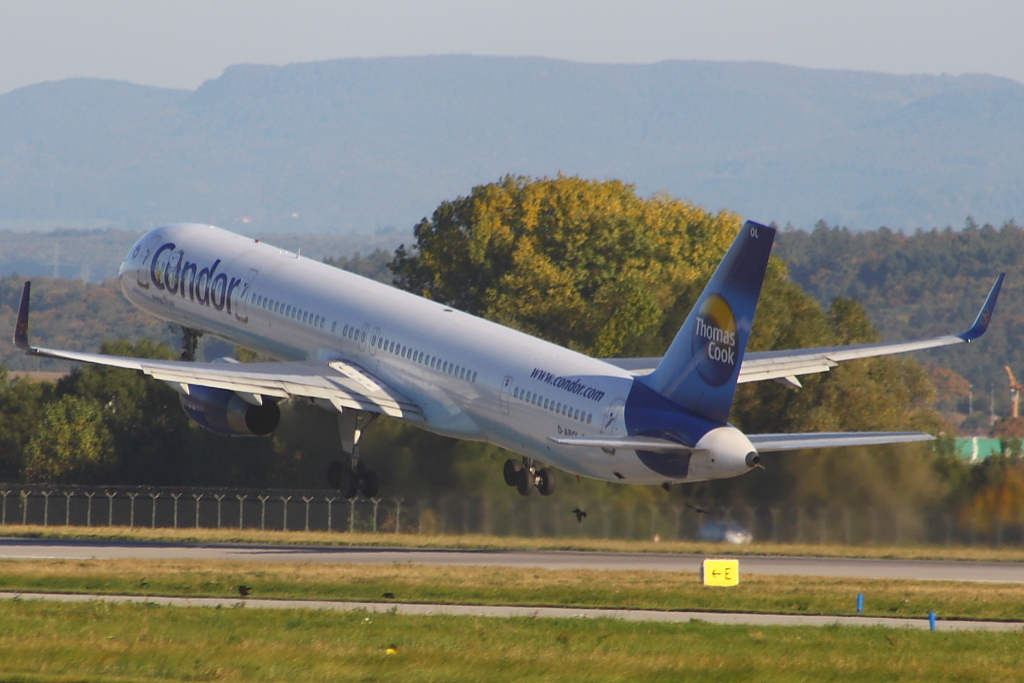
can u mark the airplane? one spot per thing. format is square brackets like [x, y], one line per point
[362, 349]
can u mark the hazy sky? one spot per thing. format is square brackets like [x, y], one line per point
[181, 43]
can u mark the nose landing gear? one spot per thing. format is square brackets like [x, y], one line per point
[525, 476]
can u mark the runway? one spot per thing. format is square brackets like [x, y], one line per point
[1001, 572]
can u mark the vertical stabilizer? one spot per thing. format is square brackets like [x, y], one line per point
[699, 370]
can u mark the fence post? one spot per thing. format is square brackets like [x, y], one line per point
[263, 512]
[352, 516]
[219, 497]
[152, 512]
[198, 497]
[241, 508]
[3, 513]
[330, 500]
[306, 500]
[110, 507]
[284, 512]
[88, 509]
[23, 496]
[46, 507]
[67, 507]
[398, 514]
[131, 507]
[176, 496]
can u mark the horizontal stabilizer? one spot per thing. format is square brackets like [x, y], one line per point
[766, 443]
[635, 443]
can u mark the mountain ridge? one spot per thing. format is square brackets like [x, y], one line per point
[359, 144]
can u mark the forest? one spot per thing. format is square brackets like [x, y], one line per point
[597, 268]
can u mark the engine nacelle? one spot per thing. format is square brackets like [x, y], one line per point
[225, 412]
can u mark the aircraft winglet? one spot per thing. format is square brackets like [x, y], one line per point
[21, 328]
[985, 314]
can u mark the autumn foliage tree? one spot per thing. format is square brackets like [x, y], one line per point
[585, 264]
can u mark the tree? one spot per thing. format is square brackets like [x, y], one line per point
[145, 422]
[585, 264]
[21, 410]
[73, 444]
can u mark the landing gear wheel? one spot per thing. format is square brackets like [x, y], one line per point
[545, 481]
[349, 484]
[335, 471]
[525, 482]
[368, 484]
[511, 472]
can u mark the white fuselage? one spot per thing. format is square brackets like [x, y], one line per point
[473, 379]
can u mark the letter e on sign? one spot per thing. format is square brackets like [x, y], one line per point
[720, 572]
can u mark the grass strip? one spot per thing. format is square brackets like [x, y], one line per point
[103, 642]
[515, 586]
[480, 542]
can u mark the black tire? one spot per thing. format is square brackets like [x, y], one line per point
[525, 482]
[545, 481]
[349, 484]
[335, 471]
[511, 472]
[368, 484]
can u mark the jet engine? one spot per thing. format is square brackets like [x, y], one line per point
[225, 412]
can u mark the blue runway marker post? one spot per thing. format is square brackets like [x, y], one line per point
[931, 621]
[860, 603]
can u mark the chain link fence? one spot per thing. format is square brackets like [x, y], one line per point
[320, 510]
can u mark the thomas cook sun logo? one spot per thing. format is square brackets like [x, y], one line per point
[715, 340]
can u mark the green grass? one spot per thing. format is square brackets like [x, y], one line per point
[100, 642]
[516, 586]
[473, 541]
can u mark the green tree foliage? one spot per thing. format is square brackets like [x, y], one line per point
[145, 421]
[585, 264]
[21, 410]
[73, 444]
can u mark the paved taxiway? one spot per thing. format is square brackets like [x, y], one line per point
[1004, 572]
[502, 611]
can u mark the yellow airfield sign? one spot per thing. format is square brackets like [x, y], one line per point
[720, 572]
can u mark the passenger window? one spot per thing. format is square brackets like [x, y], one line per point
[363, 338]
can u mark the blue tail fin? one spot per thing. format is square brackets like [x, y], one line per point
[699, 370]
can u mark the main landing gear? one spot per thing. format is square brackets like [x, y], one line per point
[351, 477]
[189, 343]
[525, 476]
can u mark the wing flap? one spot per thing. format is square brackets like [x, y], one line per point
[767, 443]
[342, 384]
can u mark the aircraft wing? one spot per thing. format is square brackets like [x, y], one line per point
[764, 443]
[786, 366]
[342, 384]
